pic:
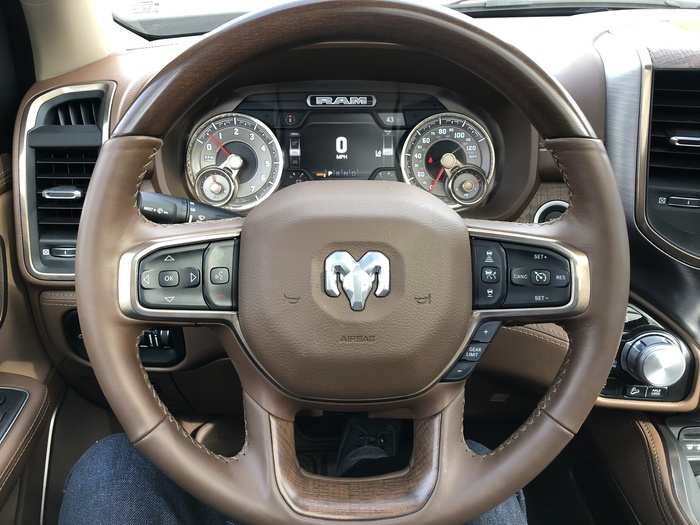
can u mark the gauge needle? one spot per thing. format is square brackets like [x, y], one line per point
[437, 179]
[219, 144]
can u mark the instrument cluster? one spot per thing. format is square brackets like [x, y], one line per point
[238, 159]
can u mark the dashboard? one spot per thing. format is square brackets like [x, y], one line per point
[239, 157]
[326, 113]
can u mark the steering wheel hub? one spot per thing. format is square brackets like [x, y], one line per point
[358, 290]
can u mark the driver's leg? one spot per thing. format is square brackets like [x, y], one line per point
[510, 512]
[113, 483]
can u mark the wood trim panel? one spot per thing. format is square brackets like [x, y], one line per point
[389, 496]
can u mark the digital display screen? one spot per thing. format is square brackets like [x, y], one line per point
[340, 146]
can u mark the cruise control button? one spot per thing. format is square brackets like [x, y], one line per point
[540, 277]
[560, 279]
[474, 352]
[168, 278]
[485, 332]
[520, 276]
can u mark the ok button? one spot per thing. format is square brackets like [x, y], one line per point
[168, 278]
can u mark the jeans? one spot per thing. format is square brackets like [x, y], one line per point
[113, 484]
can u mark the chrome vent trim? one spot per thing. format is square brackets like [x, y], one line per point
[76, 116]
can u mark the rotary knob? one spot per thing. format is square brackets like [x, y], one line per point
[654, 358]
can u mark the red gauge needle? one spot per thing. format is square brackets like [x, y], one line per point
[437, 179]
[219, 144]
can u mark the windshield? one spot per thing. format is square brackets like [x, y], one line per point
[170, 18]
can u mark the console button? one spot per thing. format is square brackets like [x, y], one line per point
[168, 278]
[459, 371]
[485, 332]
[473, 352]
[657, 392]
[635, 391]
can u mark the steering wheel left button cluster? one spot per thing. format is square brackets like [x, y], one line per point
[190, 277]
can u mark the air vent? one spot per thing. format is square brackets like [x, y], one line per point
[673, 184]
[62, 176]
[80, 112]
[64, 133]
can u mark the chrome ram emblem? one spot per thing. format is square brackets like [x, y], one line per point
[357, 277]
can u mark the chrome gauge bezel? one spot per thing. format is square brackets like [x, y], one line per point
[480, 128]
[276, 175]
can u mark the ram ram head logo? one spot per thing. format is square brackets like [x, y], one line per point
[357, 277]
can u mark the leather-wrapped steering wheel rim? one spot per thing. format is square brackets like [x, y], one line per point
[446, 482]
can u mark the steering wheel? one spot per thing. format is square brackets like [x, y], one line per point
[294, 345]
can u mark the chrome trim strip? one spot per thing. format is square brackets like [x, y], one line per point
[685, 142]
[580, 278]
[108, 88]
[545, 207]
[47, 462]
[641, 218]
[62, 194]
[371, 101]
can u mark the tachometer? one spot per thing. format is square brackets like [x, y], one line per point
[233, 160]
[451, 156]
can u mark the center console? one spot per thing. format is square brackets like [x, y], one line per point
[652, 364]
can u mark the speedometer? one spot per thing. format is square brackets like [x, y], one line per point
[451, 156]
[233, 160]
